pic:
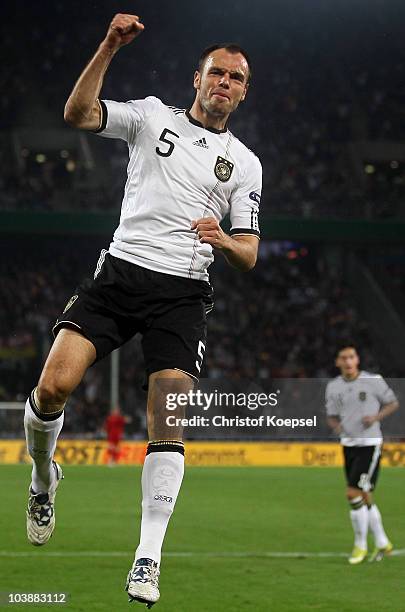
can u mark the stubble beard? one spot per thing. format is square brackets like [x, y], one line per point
[214, 112]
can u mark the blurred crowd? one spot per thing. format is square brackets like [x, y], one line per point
[283, 319]
[312, 92]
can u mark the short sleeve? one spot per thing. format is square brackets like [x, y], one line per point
[384, 393]
[125, 119]
[245, 201]
[330, 402]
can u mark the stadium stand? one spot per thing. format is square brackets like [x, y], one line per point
[299, 119]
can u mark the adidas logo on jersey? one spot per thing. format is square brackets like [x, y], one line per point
[201, 143]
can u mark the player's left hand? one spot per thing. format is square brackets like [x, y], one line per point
[210, 232]
[369, 420]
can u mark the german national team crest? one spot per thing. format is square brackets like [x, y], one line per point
[70, 302]
[362, 396]
[223, 169]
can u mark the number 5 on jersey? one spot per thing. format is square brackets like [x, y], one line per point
[163, 138]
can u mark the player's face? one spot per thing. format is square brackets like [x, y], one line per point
[222, 83]
[348, 362]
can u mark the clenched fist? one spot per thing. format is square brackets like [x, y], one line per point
[240, 251]
[122, 31]
[210, 232]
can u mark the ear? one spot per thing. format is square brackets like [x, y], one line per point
[197, 79]
[245, 92]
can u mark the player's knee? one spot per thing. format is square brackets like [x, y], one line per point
[355, 497]
[51, 394]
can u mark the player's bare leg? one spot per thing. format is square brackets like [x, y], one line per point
[161, 480]
[68, 360]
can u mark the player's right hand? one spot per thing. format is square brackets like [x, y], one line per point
[122, 31]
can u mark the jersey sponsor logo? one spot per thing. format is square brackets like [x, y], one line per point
[253, 195]
[362, 396]
[70, 302]
[165, 498]
[223, 169]
[201, 143]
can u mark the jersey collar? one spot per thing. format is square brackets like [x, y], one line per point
[350, 380]
[199, 124]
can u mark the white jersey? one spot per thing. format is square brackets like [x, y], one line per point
[351, 400]
[178, 171]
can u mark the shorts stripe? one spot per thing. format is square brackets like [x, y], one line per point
[188, 373]
[374, 461]
[100, 262]
[60, 324]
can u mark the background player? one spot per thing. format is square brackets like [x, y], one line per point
[114, 426]
[356, 403]
[186, 172]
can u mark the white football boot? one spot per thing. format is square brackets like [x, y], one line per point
[143, 582]
[41, 511]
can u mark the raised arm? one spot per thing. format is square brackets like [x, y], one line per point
[82, 109]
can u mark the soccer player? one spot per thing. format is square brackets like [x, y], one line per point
[356, 403]
[186, 171]
[114, 427]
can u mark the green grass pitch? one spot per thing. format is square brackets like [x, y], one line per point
[226, 519]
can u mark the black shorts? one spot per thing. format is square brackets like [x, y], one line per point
[362, 464]
[123, 299]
